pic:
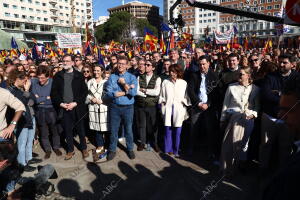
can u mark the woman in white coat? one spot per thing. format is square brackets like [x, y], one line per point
[240, 108]
[98, 116]
[173, 100]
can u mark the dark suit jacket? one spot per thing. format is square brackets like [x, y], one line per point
[286, 184]
[194, 86]
[79, 88]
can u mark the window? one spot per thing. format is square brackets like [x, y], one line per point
[204, 15]
[31, 9]
[67, 22]
[77, 3]
[61, 14]
[38, 11]
[209, 14]
[61, 21]
[77, 10]
[269, 7]
[29, 1]
[45, 19]
[270, 1]
[38, 18]
[209, 20]
[67, 8]
[204, 21]
[24, 16]
[67, 15]
[44, 4]
[16, 15]
[7, 14]
[5, 5]
[23, 8]
[277, 6]
[31, 17]
[214, 20]
[200, 21]
[44, 11]
[262, 8]
[214, 14]
[61, 7]
[37, 3]
[262, 1]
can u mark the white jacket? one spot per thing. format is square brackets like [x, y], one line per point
[174, 95]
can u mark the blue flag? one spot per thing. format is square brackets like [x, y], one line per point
[165, 27]
[147, 30]
[100, 58]
[13, 43]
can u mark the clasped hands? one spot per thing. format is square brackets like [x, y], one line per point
[125, 86]
[68, 106]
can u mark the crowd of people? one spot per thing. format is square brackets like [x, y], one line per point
[229, 101]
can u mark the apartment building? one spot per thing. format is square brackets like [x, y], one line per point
[140, 10]
[42, 19]
[250, 26]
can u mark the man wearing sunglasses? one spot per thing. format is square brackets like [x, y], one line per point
[254, 63]
[272, 128]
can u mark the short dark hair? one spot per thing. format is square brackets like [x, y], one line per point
[204, 57]
[286, 56]
[292, 86]
[233, 55]
[43, 70]
[123, 58]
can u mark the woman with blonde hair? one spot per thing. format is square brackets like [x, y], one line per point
[240, 108]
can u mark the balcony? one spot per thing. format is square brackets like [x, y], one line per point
[54, 8]
[89, 16]
[88, 10]
[88, 4]
[53, 2]
[54, 16]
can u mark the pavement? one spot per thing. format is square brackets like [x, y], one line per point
[151, 176]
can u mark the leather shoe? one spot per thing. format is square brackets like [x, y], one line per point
[47, 155]
[156, 148]
[131, 155]
[69, 155]
[111, 155]
[28, 168]
[57, 152]
[140, 147]
[85, 153]
[34, 161]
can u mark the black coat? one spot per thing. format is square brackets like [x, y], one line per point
[80, 92]
[194, 86]
[271, 88]
[286, 184]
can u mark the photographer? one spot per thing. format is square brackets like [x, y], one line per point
[6, 133]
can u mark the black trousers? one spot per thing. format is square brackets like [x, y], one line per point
[147, 124]
[71, 122]
[47, 120]
[204, 123]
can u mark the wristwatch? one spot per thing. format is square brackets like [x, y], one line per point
[13, 122]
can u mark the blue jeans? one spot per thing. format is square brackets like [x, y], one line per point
[118, 113]
[25, 142]
[99, 139]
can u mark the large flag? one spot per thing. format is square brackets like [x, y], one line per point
[13, 43]
[172, 41]
[100, 58]
[150, 40]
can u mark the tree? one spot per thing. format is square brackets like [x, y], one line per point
[119, 27]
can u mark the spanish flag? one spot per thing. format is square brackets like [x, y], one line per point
[150, 40]
[162, 44]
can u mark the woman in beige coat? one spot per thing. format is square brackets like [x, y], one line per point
[173, 100]
[240, 108]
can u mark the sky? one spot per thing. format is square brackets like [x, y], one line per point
[101, 6]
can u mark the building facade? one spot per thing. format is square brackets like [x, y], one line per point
[42, 19]
[100, 20]
[249, 26]
[140, 10]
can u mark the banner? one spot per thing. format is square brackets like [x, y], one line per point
[69, 40]
[223, 38]
[292, 12]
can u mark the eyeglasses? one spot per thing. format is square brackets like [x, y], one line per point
[86, 71]
[147, 65]
[254, 60]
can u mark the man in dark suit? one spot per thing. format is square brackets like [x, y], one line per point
[202, 114]
[68, 95]
[285, 185]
